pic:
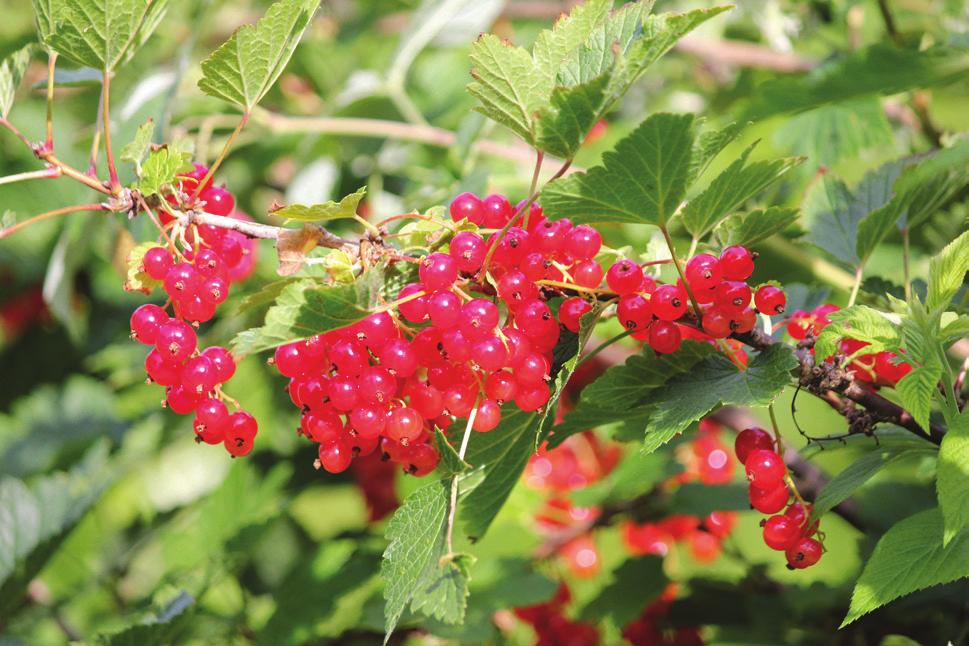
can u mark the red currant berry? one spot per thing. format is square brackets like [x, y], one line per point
[624, 277]
[398, 357]
[634, 312]
[571, 312]
[335, 455]
[420, 459]
[490, 354]
[198, 375]
[750, 440]
[146, 320]
[289, 359]
[716, 323]
[804, 553]
[342, 392]
[182, 400]
[703, 272]
[438, 271]
[376, 331]
[157, 262]
[376, 385]
[459, 400]
[322, 426]
[497, 211]
[211, 416]
[444, 309]
[405, 425]
[176, 341]
[468, 250]
[531, 397]
[516, 289]
[733, 296]
[501, 386]
[770, 300]
[368, 420]
[669, 302]
[532, 369]
[587, 273]
[744, 321]
[218, 201]
[425, 398]
[161, 369]
[225, 365]
[780, 532]
[414, 310]
[467, 206]
[487, 416]
[478, 318]
[664, 337]
[583, 242]
[769, 501]
[349, 357]
[736, 263]
[765, 468]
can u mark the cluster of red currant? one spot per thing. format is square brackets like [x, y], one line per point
[196, 280]
[878, 369]
[705, 459]
[790, 531]
[553, 627]
[376, 478]
[648, 630]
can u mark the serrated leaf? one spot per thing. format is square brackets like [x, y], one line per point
[863, 469]
[954, 331]
[104, 33]
[750, 228]
[136, 279]
[136, 150]
[873, 228]
[306, 307]
[632, 586]
[642, 181]
[947, 271]
[917, 390]
[554, 46]
[412, 567]
[831, 133]
[508, 86]
[709, 144]
[862, 323]
[35, 519]
[731, 189]
[245, 67]
[597, 55]
[45, 12]
[330, 210]
[909, 557]
[572, 111]
[952, 484]
[161, 167]
[451, 463]
[712, 382]
[11, 73]
[162, 627]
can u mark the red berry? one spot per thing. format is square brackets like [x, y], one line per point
[487, 417]
[211, 417]
[478, 318]
[468, 250]
[342, 392]
[532, 369]
[664, 337]
[368, 420]
[467, 206]
[770, 300]
[769, 501]
[501, 386]
[704, 546]
[587, 273]
[218, 201]
[335, 456]
[225, 365]
[804, 553]
[531, 397]
[535, 319]
[490, 354]
[703, 272]
[398, 357]
[157, 262]
[752, 439]
[438, 271]
[765, 468]
[736, 263]
[405, 425]
[414, 310]
[669, 302]
[289, 359]
[780, 532]
[497, 211]
[720, 523]
[583, 242]
[199, 375]
[182, 400]
[376, 331]
[716, 323]
[444, 309]
[376, 385]
[516, 289]
[624, 277]
[571, 312]
[176, 341]
[634, 312]
[146, 320]
[161, 369]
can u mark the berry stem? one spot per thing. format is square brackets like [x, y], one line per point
[679, 269]
[92, 164]
[452, 512]
[75, 174]
[392, 306]
[602, 346]
[573, 287]
[51, 214]
[222, 155]
[367, 225]
[51, 63]
[12, 128]
[106, 116]
[780, 450]
[539, 158]
[46, 173]
[857, 285]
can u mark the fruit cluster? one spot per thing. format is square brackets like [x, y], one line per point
[553, 627]
[705, 459]
[875, 369]
[196, 280]
[648, 629]
[791, 531]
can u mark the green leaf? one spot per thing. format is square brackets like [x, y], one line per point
[750, 228]
[632, 586]
[953, 476]
[831, 221]
[917, 390]
[873, 228]
[508, 86]
[104, 33]
[35, 520]
[161, 167]
[642, 181]
[731, 189]
[863, 469]
[306, 307]
[831, 133]
[345, 208]
[45, 13]
[243, 68]
[137, 279]
[954, 331]
[137, 149]
[947, 271]
[451, 463]
[570, 115]
[709, 144]
[862, 323]
[412, 568]
[597, 55]
[554, 46]
[163, 627]
[714, 381]
[909, 557]
[11, 73]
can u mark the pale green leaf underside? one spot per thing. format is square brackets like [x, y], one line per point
[909, 557]
[11, 74]
[345, 208]
[572, 111]
[243, 68]
[750, 228]
[642, 181]
[103, 33]
[44, 13]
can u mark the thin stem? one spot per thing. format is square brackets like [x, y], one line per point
[679, 270]
[51, 63]
[367, 225]
[905, 264]
[573, 287]
[400, 301]
[693, 243]
[73, 173]
[602, 346]
[225, 151]
[539, 158]
[12, 128]
[106, 116]
[857, 285]
[92, 165]
[51, 214]
[452, 512]
[889, 21]
[46, 173]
